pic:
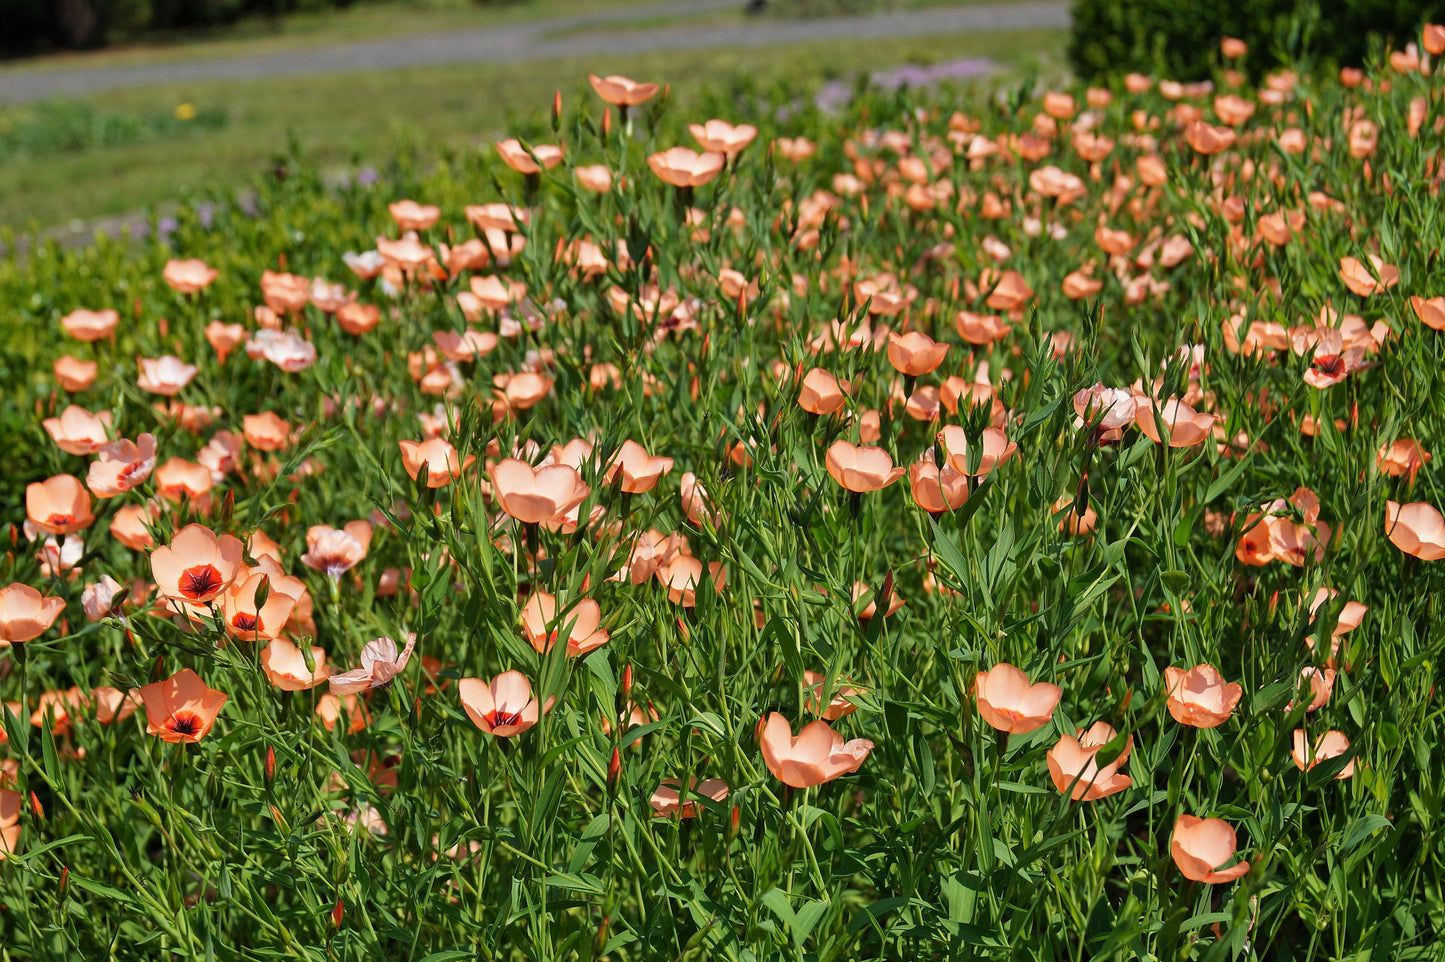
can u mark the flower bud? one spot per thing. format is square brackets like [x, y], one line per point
[614, 770]
[336, 913]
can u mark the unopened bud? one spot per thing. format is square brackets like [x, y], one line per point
[336, 913]
[35, 807]
[614, 771]
[627, 682]
[270, 765]
[556, 109]
[607, 122]
[599, 942]
[64, 882]
[734, 819]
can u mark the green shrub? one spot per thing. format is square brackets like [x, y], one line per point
[1178, 40]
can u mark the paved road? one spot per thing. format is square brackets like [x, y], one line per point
[537, 40]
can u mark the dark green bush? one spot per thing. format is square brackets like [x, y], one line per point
[1181, 40]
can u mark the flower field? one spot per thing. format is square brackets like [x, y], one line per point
[934, 523]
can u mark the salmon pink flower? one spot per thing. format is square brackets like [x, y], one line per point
[1200, 697]
[330, 708]
[861, 469]
[541, 624]
[640, 470]
[683, 574]
[838, 704]
[286, 349]
[594, 177]
[26, 614]
[1365, 281]
[684, 167]
[380, 663]
[915, 354]
[1403, 458]
[622, 92]
[1430, 311]
[528, 160]
[336, 551]
[1417, 529]
[77, 431]
[936, 489]
[503, 707]
[667, 801]
[409, 215]
[285, 293]
[248, 621]
[1182, 426]
[10, 805]
[534, 495]
[719, 136]
[188, 276]
[164, 375]
[1073, 764]
[1010, 703]
[817, 755]
[285, 665]
[993, 450]
[1199, 845]
[84, 325]
[58, 505]
[821, 393]
[1328, 745]
[442, 462]
[73, 374]
[266, 431]
[197, 565]
[113, 705]
[181, 709]
[1112, 407]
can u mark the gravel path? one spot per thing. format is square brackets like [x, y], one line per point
[538, 40]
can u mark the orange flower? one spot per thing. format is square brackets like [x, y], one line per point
[1432, 38]
[697, 503]
[224, 338]
[719, 136]
[682, 575]
[409, 215]
[1233, 47]
[336, 551]
[1183, 427]
[442, 463]
[285, 293]
[113, 705]
[640, 470]
[541, 624]
[622, 92]
[1363, 281]
[196, 566]
[1328, 745]
[1403, 457]
[357, 319]
[505, 706]
[594, 177]
[164, 375]
[58, 505]
[666, 801]
[246, 620]
[981, 329]
[77, 431]
[73, 374]
[329, 708]
[181, 709]
[915, 353]
[1199, 845]
[380, 663]
[528, 160]
[86, 325]
[684, 167]
[817, 755]
[1206, 139]
[1199, 697]
[1009, 703]
[936, 489]
[821, 393]
[1416, 529]
[285, 665]
[1074, 768]
[534, 495]
[1431, 312]
[26, 614]
[1321, 684]
[10, 804]
[993, 450]
[861, 469]
[837, 705]
[188, 276]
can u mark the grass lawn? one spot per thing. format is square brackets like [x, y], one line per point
[360, 117]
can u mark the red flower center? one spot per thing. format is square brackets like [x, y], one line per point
[1331, 364]
[184, 723]
[200, 582]
[246, 622]
[498, 718]
[60, 520]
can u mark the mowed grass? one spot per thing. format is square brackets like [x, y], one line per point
[358, 118]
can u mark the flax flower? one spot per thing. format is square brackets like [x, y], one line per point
[285, 666]
[1010, 703]
[380, 663]
[861, 469]
[1073, 764]
[197, 565]
[437, 457]
[1200, 697]
[503, 707]
[817, 755]
[58, 505]
[534, 495]
[1417, 529]
[181, 708]
[666, 800]
[542, 626]
[26, 614]
[1328, 745]
[336, 551]
[1200, 845]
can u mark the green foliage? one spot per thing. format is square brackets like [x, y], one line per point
[417, 836]
[1181, 40]
[69, 127]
